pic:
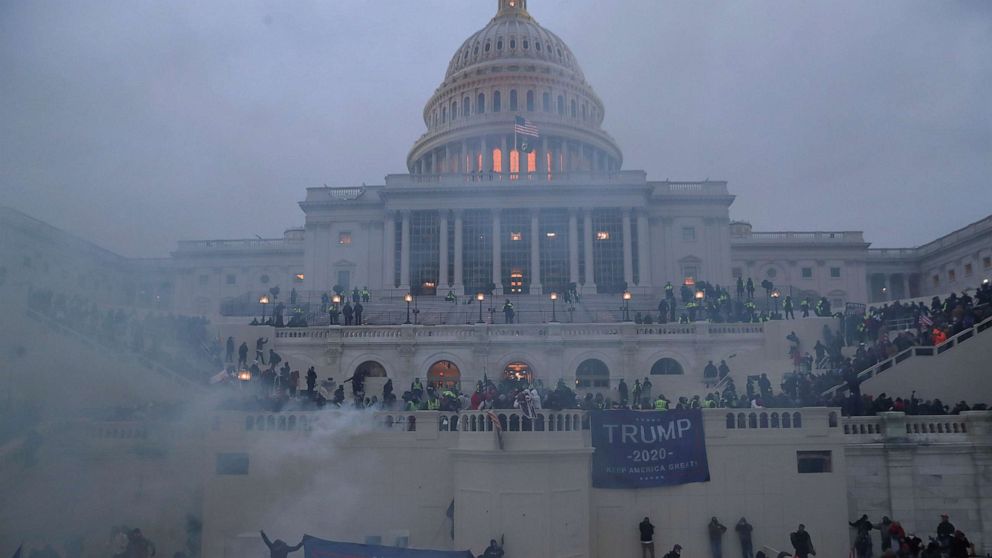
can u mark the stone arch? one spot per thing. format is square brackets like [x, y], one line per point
[444, 374]
[667, 366]
[592, 373]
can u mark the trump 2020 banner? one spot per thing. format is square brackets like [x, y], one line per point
[641, 449]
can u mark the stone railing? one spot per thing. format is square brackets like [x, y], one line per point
[505, 331]
[898, 426]
[801, 236]
[238, 244]
[889, 363]
[577, 178]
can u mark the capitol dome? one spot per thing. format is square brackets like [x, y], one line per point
[514, 68]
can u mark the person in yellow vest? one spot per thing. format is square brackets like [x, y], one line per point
[661, 404]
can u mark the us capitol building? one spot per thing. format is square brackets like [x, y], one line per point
[515, 192]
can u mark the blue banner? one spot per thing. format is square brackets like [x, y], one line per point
[319, 548]
[641, 449]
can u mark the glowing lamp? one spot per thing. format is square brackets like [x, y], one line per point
[776, 294]
[554, 296]
[336, 299]
[700, 295]
[689, 281]
[264, 299]
[408, 297]
[244, 376]
[627, 295]
[480, 297]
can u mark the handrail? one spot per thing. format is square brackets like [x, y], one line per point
[888, 363]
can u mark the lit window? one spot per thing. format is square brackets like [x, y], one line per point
[602, 235]
[516, 236]
[532, 161]
[807, 273]
[689, 234]
[344, 238]
[515, 161]
[835, 273]
[551, 234]
[299, 278]
[814, 461]
[498, 160]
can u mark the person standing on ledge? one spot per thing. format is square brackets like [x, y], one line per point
[647, 538]
[744, 530]
[279, 549]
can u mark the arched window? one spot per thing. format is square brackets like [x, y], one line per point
[465, 106]
[530, 101]
[480, 104]
[526, 44]
[499, 44]
[752, 420]
[763, 420]
[513, 43]
[561, 105]
[797, 420]
[514, 162]
[532, 162]
[585, 110]
[370, 369]
[444, 374]
[496, 101]
[488, 46]
[730, 421]
[546, 102]
[513, 99]
[444, 114]
[537, 45]
[775, 423]
[786, 420]
[592, 373]
[573, 112]
[666, 367]
[498, 160]
[454, 109]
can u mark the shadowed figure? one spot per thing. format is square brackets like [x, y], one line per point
[279, 549]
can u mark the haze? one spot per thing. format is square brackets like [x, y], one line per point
[136, 124]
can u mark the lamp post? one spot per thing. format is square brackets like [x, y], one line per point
[700, 296]
[626, 305]
[264, 301]
[480, 297]
[775, 295]
[408, 298]
[554, 299]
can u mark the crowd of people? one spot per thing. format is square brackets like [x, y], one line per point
[181, 343]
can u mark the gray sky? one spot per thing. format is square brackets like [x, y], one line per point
[138, 123]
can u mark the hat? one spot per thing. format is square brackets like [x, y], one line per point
[678, 547]
[944, 515]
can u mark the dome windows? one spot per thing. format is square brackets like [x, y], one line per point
[513, 99]
[537, 45]
[513, 44]
[547, 102]
[526, 44]
[480, 104]
[444, 114]
[465, 107]
[530, 101]
[454, 109]
[497, 101]
[573, 108]
[561, 105]
[499, 44]
[488, 46]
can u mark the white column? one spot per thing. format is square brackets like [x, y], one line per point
[905, 285]
[628, 253]
[434, 169]
[590, 284]
[487, 156]
[497, 254]
[442, 272]
[405, 252]
[573, 247]
[389, 251]
[643, 249]
[459, 283]
[504, 161]
[535, 252]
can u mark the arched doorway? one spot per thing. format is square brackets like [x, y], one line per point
[666, 367]
[369, 377]
[444, 374]
[518, 373]
[592, 373]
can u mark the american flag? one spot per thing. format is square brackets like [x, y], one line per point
[925, 320]
[525, 127]
[497, 427]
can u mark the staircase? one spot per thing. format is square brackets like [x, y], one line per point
[908, 358]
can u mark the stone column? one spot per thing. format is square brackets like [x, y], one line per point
[542, 157]
[535, 252]
[459, 286]
[434, 169]
[628, 253]
[497, 254]
[590, 284]
[979, 430]
[905, 285]
[405, 252]
[887, 287]
[573, 247]
[442, 272]
[487, 156]
[389, 251]
[504, 161]
[643, 249]
[899, 464]
[462, 163]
